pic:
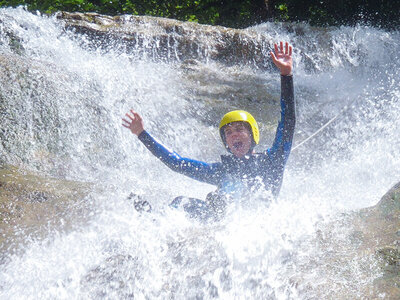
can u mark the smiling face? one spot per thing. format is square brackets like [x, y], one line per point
[238, 138]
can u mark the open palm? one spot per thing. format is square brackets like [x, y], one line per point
[282, 58]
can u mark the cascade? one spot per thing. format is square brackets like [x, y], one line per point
[62, 96]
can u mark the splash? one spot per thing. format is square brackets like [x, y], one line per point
[62, 100]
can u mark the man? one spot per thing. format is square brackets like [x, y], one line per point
[243, 171]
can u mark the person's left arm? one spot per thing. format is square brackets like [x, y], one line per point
[280, 150]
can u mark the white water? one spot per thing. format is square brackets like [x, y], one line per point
[67, 110]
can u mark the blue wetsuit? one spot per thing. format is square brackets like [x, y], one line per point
[255, 170]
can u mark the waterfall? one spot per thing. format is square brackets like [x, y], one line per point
[63, 96]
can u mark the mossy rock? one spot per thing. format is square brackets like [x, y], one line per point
[390, 256]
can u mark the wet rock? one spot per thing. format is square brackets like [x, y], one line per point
[114, 278]
[391, 257]
[379, 228]
[31, 203]
[361, 248]
[157, 36]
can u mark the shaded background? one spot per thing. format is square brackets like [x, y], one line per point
[236, 13]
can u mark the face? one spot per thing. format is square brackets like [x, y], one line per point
[238, 138]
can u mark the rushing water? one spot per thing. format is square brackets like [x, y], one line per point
[62, 104]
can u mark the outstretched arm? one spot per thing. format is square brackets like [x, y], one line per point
[192, 168]
[280, 150]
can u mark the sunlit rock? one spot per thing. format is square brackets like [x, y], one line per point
[171, 39]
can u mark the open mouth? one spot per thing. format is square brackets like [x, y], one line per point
[237, 145]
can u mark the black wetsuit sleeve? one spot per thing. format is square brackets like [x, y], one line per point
[208, 173]
[280, 150]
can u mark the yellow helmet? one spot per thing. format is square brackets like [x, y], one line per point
[240, 116]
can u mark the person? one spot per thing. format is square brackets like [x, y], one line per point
[243, 170]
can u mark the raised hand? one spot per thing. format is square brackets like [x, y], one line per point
[134, 122]
[282, 58]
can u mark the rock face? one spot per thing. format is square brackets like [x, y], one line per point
[375, 238]
[171, 39]
[361, 248]
[382, 229]
[31, 204]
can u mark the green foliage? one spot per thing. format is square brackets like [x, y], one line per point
[235, 13]
[283, 11]
[382, 13]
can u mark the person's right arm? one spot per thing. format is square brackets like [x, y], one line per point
[197, 170]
